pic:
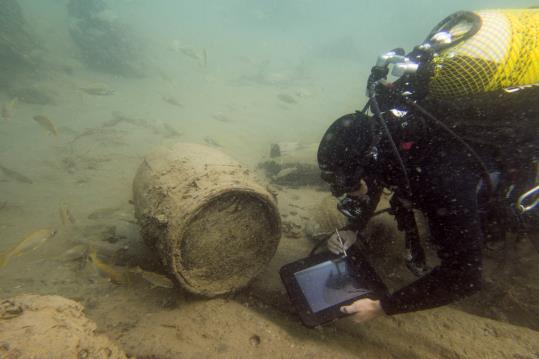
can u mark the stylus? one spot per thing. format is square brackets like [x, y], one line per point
[341, 242]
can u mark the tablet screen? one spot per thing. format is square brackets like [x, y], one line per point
[328, 283]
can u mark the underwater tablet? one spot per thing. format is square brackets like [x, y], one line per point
[319, 285]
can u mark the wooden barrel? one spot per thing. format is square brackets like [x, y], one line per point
[213, 226]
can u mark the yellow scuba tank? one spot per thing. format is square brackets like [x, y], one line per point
[484, 51]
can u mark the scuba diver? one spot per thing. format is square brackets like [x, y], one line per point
[455, 137]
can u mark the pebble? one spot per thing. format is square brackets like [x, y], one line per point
[254, 340]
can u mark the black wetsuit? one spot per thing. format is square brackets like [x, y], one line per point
[446, 185]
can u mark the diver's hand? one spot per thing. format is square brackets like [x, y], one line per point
[364, 310]
[348, 238]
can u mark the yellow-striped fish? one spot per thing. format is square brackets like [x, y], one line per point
[30, 242]
[116, 274]
[44, 122]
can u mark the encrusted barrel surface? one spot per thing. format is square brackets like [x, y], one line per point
[213, 225]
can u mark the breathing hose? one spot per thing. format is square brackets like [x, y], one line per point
[378, 115]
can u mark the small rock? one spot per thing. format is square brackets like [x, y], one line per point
[9, 309]
[254, 340]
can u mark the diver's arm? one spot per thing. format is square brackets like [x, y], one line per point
[458, 276]
[457, 228]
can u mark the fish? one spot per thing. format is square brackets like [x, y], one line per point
[116, 274]
[201, 56]
[286, 98]
[103, 213]
[219, 116]
[66, 216]
[171, 100]
[44, 122]
[68, 130]
[286, 172]
[74, 253]
[15, 175]
[97, 89]
[8, 109]
[155, 279]
[210, 141]
[171, 131]
[191, 53]
[111, 123]
[140, 122]
[204, 58]
[91, 132]
[30, 242]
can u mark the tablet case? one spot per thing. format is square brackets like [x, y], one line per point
[363, 272]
